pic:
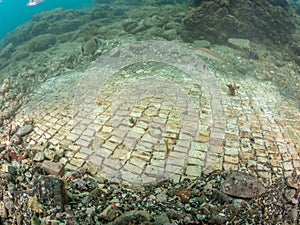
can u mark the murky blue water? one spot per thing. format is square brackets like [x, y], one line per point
[16, 12]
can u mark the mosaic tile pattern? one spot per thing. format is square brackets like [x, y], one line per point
[153, 110]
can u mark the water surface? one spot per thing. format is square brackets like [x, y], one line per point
[14, 13]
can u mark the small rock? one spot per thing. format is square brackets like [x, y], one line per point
[162, 219]
[85, 184]
[3, 211]
[293, 213]
[222, 214]
[239, 43]
[184, 195]
[59, 151]
[170, 34]
[175, 214]
[220, 196]
[109, 213]
[9, 205]
[218, 218]
[201, 44]
[240, 204]
[187, 220]
[2, 147]
[76, 174]
[7, 168]
[17, 140]
[28, 174]
[35, 220]
[11, 188]
[19, 219]
[261, 76]
[187, 207]
[294, 201]
[50, 154]
[91, 211]
[40, 156]
[292, 182]
[130, 26]
[1, 122]
[132, 217]
[54, 168]
[41, 42]
[94, 194]
[289, 194]
[195, 202]
[34, 204]
[161, 197]
[38, 147]
[22, 131]
[243, 186]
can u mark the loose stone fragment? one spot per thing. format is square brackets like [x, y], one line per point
[22, 131]
[161, 197]
[76, 174]
[132, 217]
[243, 186]
[109, 213]
[184, 195]
[34, 205]
[292, 182]
[35, 220]
[293, 214]
[240, 204]
[162, 219]
[289, 194]
[9, 204]
[220, 196]
[3, 211]
[40, 156]
[53, 167]
[17, 140]
[2, 147]
[222, 215]
[49, 154]
[7, 168]
[85, 184]
[239, 43]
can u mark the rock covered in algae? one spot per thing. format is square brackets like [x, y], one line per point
[252, 19]
[243, 186]
[41, 42]
[133, 217]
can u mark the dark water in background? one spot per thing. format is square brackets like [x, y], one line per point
[14, 13]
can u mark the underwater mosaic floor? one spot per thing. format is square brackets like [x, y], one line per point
[152, 110]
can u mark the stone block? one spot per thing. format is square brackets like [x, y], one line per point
[193, 171]
[77, 162]
[231, 159]
[53, 168]
[133, 168]
[138, 162]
